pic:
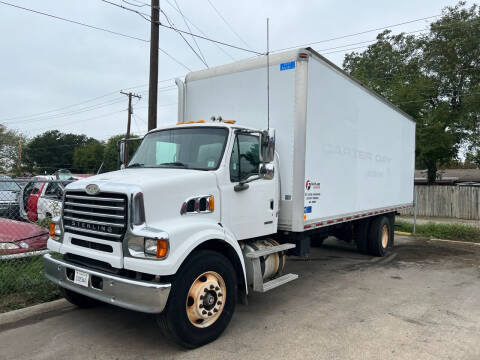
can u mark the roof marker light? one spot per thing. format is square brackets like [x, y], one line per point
[229, 121]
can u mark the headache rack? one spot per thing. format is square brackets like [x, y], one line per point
[102, 216]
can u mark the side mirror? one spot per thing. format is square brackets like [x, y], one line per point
[266, 171]
[268, 145]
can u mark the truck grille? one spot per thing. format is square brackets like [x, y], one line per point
[102, 216]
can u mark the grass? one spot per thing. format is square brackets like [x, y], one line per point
[442, 231]
[22, 284]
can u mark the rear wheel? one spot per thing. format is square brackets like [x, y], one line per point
[360, 234]
[78, 300]
[202, 300]
[379, 236]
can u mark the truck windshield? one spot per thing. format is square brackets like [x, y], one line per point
[198, 148]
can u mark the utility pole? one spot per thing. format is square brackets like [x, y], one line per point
[153, 79]
[19, 159]
[129, 121]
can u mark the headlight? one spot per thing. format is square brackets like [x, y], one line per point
[9, 246]
[148, 248]
[156, 247]
[24, 245]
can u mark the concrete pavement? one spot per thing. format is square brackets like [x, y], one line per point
[422, 304]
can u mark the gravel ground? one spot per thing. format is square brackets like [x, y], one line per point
[422, 302]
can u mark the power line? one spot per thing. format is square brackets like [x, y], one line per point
[212, 40]
[146, 17]
[356, 34]
[70, 113]
[94, 28]
[183, 37]
[84, 120]
[188, 27]
[229, 26]
[199, 30]
[183, 31]
[85, 102]
[455, 25]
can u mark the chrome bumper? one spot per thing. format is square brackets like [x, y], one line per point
[135, 295]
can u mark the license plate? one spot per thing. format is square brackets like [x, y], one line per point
[81, 278]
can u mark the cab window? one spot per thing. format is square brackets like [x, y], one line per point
[245, 158]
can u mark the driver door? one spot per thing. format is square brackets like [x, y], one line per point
[250, 212]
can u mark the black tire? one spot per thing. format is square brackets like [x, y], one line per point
[360, 234]
[377, 245]
[174, 321]
[77, 299]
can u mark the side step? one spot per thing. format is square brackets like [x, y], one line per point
[254, 257]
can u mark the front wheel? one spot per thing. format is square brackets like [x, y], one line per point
[202, 300]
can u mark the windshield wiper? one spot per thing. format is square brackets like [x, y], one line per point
[175, 163]
[135, 165]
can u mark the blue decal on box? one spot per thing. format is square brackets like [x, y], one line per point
[307, 209]
[287, 66]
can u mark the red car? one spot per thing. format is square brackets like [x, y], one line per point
[18, 237]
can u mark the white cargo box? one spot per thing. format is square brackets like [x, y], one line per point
[345, 152]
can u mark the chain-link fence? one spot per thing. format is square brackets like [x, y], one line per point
[26, 207]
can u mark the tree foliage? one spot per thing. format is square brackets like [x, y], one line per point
[89, 158]
[54, 150]
[9, 147]
[435, 78]
[111, 152]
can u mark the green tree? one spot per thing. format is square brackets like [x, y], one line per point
[9, 140]
[435, 78]
[88, 159]
[53, 150]
[111, 153]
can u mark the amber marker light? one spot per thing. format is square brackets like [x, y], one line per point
[52, 230]
[162, 248]
[211, 203]
[229, 121]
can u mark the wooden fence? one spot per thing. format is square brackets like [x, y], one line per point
[461, 202]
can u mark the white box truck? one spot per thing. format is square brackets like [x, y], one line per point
[208, 209]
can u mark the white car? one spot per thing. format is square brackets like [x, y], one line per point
[42, 198]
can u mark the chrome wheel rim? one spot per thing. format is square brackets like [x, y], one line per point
[385, 236]
[206, 299]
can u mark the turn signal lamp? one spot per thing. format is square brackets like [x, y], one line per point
[52, 230]
[211, 203]
[156, 247]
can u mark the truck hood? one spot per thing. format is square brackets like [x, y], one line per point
[164, 189]
[142, 177]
